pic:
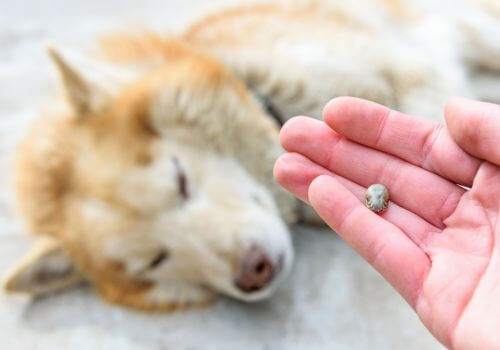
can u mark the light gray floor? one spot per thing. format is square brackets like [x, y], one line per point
[332, 300]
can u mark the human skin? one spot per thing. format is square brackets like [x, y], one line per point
[438, 243]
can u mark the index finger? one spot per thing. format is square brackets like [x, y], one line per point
[420, 142]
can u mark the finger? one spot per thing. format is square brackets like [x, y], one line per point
[415, 189]
[420, 142]
[475, 126]
[378, 241]
[295, 173]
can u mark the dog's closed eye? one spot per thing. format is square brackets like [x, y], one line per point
[158, 259]
[182, 184]
[181, 180]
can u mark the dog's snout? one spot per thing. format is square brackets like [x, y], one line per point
[257, 271]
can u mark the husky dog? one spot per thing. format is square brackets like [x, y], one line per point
[154, 183]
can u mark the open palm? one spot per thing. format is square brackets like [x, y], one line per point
[438, 242]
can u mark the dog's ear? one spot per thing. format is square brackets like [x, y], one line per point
[89, 84]
[44, 269]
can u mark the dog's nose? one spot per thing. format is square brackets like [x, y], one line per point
[256, 272]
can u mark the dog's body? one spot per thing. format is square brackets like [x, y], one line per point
[156, 183]
[411, 58]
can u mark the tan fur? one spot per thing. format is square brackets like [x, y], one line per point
[401, 10]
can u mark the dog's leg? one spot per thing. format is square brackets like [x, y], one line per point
[422, 86]
[281, 83]
[481, 51]
[480, 45]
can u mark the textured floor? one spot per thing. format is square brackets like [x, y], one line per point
[332, 300]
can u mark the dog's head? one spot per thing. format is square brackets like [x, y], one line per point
[156, 186]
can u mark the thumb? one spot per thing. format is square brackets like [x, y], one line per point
[475, 127]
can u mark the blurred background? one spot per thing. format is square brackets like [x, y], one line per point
[332, 300]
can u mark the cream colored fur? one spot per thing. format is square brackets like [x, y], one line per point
[165, 150]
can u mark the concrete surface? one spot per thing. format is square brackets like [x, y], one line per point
[332, 300]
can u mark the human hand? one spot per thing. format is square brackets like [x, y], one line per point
[437, 243]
